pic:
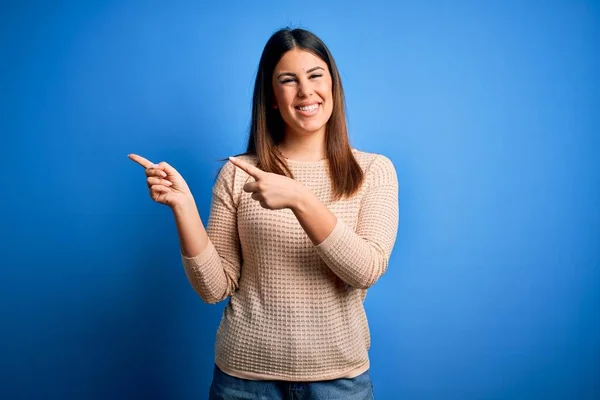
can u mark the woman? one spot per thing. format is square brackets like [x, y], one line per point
[300, 226]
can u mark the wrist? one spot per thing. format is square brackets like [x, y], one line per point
[185, 206]
[301, 199]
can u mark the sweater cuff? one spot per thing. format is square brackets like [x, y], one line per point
[334, 236]
[202, 257]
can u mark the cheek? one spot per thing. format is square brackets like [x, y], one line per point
[327, 95]
[325, 90]
[284, 98]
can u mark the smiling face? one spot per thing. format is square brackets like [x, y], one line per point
[302, 87]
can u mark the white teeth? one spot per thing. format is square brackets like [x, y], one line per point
[309, 108]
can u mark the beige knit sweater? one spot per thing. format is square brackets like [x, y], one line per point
[295, 311]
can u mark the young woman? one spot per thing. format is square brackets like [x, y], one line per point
[300, 226]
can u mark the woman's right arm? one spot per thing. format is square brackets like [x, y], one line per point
[193, 238]
[211, 257]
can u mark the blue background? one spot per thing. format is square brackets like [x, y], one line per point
[489, 110]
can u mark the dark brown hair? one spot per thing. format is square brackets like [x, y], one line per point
[267, 126]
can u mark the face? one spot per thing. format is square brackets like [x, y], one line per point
[303, 92]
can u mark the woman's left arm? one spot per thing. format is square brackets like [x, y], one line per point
[358, 257]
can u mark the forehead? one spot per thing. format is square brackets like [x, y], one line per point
[298, 60]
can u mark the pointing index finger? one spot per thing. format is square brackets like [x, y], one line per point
[249, 168]
[141, 160]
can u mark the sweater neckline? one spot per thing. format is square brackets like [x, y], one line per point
[323, 161]
[300, 162]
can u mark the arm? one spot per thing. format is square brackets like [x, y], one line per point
[358, 257]
[211, 258]
[193, 238]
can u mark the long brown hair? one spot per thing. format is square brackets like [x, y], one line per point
[267, 126]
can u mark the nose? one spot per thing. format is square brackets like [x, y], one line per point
[304, 88]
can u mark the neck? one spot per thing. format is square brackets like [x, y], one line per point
[304, 148]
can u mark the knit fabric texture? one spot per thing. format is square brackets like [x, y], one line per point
[295, 309]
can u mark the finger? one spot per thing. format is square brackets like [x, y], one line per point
[256, 196]
[141, 160]
[157, 181]
[160, 188]
[156, 172]
[157, 191]
[250, 169]
[250, 187]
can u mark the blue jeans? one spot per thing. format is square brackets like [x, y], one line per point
[227, 387]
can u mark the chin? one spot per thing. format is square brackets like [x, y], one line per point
[309, 130]
[312, 127]
[306, 127]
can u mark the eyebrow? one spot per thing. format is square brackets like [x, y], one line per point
[292, 74]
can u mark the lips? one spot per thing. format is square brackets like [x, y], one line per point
[308, 109]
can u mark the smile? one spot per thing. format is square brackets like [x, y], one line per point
[308, 109]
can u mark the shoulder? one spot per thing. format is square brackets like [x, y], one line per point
[378, 168]
[229, 176]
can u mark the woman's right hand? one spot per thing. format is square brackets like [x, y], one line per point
[166, 185]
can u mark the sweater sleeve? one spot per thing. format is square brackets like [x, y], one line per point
[214, 273]
[360, 257]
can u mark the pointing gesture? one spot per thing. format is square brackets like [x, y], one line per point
[166, 185]
[272, 191]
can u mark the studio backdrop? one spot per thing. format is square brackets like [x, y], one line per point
[488, 110]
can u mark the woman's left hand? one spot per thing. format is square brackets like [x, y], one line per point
[272, 191]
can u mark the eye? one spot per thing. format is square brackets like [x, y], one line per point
[316, 76]
[288, 80]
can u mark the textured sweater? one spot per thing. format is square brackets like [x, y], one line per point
[295, 309]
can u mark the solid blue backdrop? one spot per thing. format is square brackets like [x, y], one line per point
[489, 110]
